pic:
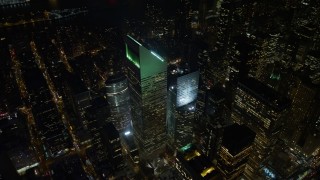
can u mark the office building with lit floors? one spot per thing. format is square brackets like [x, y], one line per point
[111, 138]
[263, 110]
[235, 149]
[96, 116]
[181, 107]
[147, 77]
[117, 94]
[210, 126]
[209, 136]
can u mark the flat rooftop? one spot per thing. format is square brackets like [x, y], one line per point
[115, 79]
[237, 137]
[196, 163]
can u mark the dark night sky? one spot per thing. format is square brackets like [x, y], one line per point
[60, 4]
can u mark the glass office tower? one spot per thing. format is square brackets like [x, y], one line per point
[117, 93]
[182, 96]
[147, 77]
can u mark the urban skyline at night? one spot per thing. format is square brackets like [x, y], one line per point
[160, 89]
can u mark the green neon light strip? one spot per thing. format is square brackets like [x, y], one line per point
[131, 57]
[157, 56]
[134, 40]
[186, 147]
[275, 77]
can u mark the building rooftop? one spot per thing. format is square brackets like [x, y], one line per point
[284, 162]
[68, 168]
[197, 164]
[237, 137]
[217, 93]
[156, 47]
[115, 78]
[110, 131]
[264, 93]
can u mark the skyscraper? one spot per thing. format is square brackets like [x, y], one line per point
[182, 97]
[236, 147]
[261, 109]
[209, 135]
[147, 77]
[111, 138]
[119, 100]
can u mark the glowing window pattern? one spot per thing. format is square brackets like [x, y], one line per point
[187, 88]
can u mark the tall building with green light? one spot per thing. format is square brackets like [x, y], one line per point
[147, 76]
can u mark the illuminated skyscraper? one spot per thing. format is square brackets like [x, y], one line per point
[261, 109]
[111, 138]
[210, 126]
[209, 135]
[147, 77]
[119, 100]
[182, 96]
[96, 116]
[187, 88]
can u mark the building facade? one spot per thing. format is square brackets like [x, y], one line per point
[147, 77]
[261, 109]
[236, 147]
[182, 96]
[117, 94]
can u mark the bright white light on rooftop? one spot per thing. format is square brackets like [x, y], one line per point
[134, 40]
[156, 55]
[191, 108]
[127, 133]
